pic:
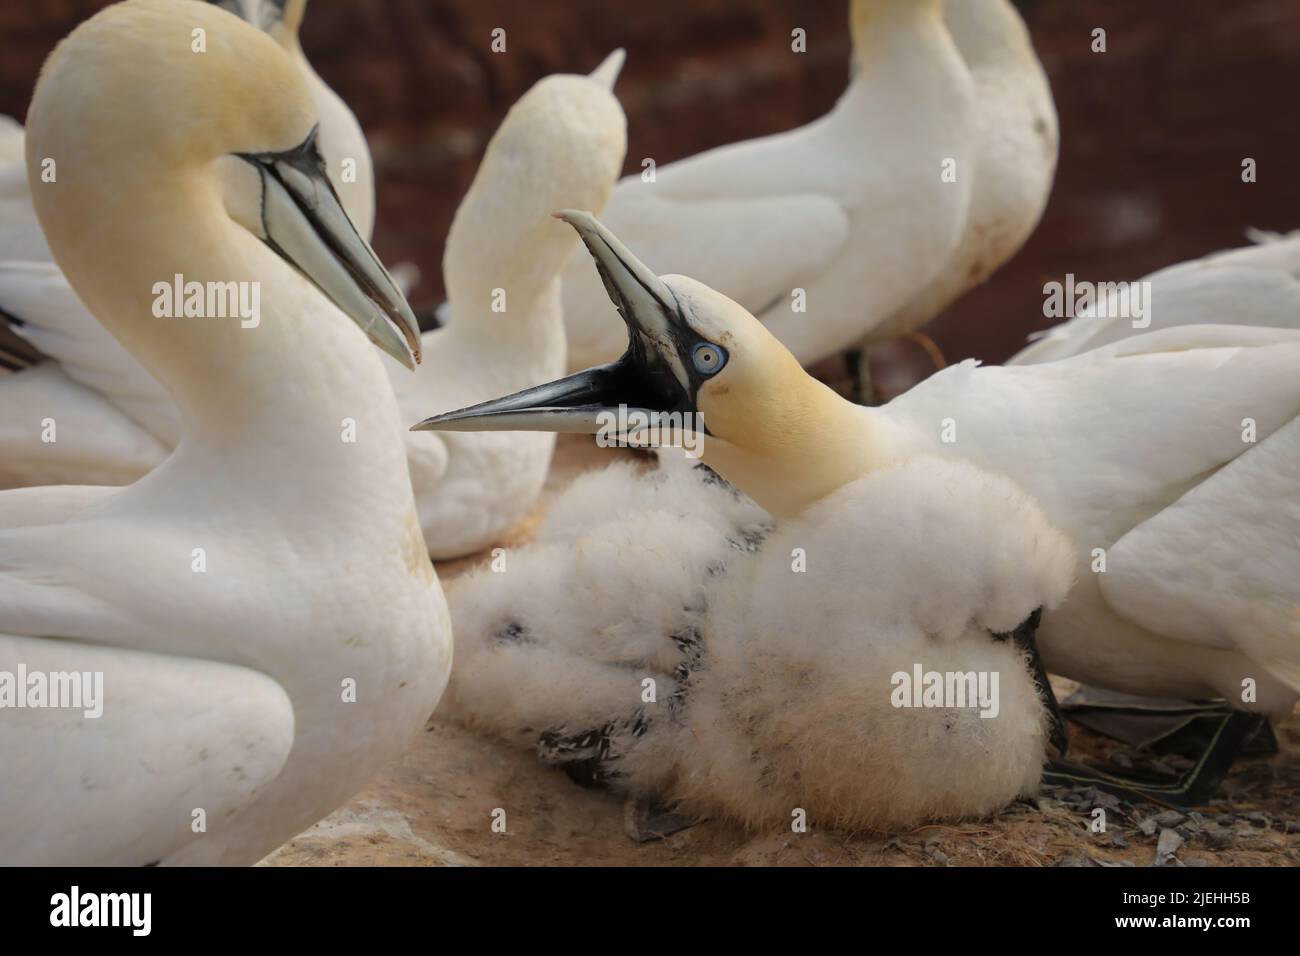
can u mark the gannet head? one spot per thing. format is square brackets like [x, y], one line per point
[561, 144]
[695, 354]
[183, 90]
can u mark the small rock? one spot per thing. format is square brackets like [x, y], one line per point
[938, 856]
[1147, 826]
[1119, 840]
[1168, 844]
[1219, 839]
[1169, 819]
[1075, 859]
[1292, 826]
[1259, 819]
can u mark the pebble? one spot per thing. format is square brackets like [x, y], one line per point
[1168, 844]
[1170, 818]
[1220, 839]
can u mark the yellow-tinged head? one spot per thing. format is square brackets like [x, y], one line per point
[697, 361]
[152, 106]
[195, 80]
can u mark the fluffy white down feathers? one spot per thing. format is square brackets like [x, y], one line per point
[772, 688]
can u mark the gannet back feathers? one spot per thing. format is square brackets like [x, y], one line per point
[1255, 285]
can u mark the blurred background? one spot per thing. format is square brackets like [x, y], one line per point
[1153, 131]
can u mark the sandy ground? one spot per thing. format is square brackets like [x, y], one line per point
[436, 807]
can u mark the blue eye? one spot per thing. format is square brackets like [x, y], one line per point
[708, 358]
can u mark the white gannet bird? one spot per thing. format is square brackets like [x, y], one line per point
[854, 209]
[1016, 142]
[562, 142]
[267, 624]
[1255, 285]
[113, 421]
[651, 640]
[1169, 459]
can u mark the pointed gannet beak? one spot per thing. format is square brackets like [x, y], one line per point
[303, 221]
[650, 377]
[607, 73]
[265, 14]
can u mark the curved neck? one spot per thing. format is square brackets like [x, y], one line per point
[268, 370]
[804, 447]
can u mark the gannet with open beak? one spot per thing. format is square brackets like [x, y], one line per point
[114, 421]
[859, 211]
[1254, 285]
[1170, 460]
[267, 623]
[562, 143]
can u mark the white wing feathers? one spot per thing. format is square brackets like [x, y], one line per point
[1221, 566]
[54, 321]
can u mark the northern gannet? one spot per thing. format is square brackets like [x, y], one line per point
[660, 637]
[860, 210]
[1017, 138]
[1169, 459]
[261, 607]
[114, 422]
[1254, 285]
[563, 142]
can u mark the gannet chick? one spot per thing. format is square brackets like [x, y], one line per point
[825, 231]
[650, 649]
[261, 607]
[1256, 285]
[1166, 458]
[113, 421]
[563, 141]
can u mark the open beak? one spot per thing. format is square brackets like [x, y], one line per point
[303, 221]
[651, 376]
